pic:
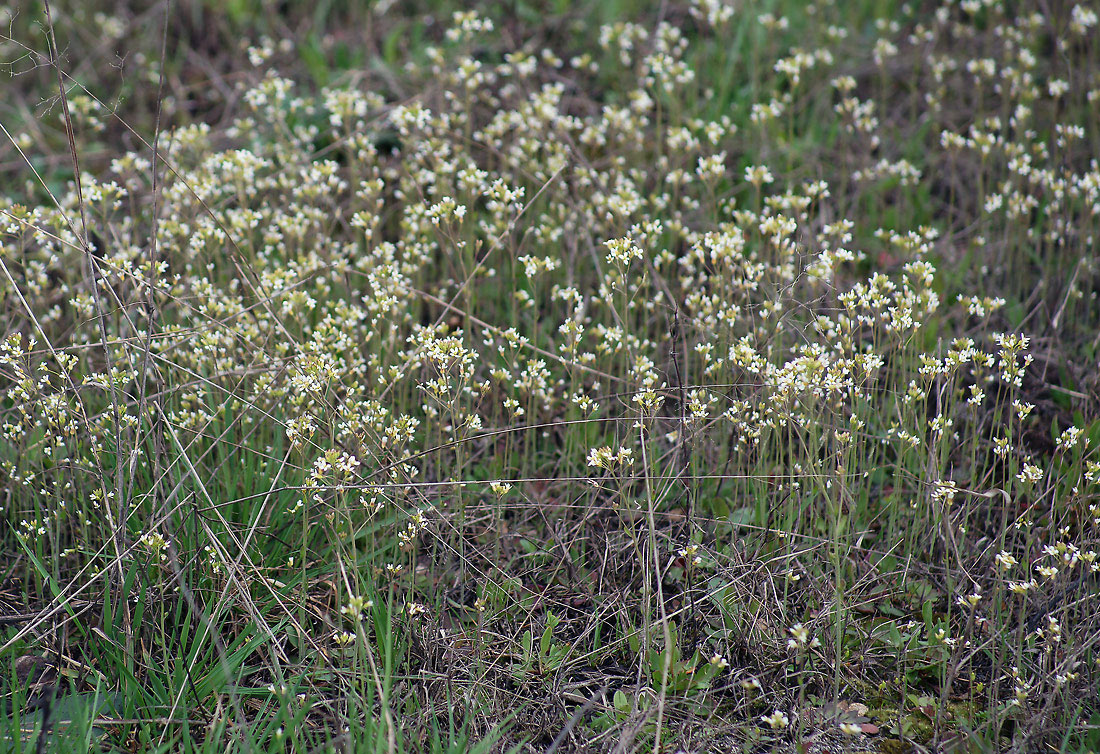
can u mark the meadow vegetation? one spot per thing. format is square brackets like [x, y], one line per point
[693, 376]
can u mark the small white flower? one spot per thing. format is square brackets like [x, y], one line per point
[778, 720]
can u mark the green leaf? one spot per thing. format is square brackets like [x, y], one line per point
[621, 702]
[548, 634]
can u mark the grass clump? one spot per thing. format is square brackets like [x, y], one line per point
[709, 378]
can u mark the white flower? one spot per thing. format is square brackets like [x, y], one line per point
[777, 720]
